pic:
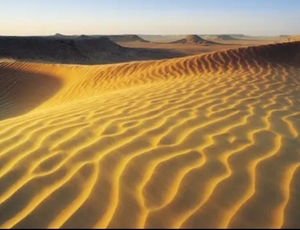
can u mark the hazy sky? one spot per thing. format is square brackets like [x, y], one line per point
[251, 17]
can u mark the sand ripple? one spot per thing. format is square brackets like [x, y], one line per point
[202, 141]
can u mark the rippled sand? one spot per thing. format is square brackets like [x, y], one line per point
[202, 141]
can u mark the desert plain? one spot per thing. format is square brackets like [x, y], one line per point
[127, 132]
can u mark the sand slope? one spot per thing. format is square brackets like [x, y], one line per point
[202, 141]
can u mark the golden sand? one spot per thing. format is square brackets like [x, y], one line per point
[202, 141]
[292, 39]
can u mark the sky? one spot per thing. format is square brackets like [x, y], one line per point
[70, 17]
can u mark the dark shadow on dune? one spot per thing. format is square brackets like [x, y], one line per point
[79, 50]
[274, 54]
[22, 91]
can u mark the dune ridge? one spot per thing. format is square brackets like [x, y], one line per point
[292, 39]
[209, 140]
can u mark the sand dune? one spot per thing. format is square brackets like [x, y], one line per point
[292, 39]
[222, 37]
[202, 141]
[114, 38]
[195, 39]
[288, 39]
[126, 38]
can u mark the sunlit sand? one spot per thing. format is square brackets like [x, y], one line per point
[206, 141]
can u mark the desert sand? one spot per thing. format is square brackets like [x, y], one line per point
[181, 46]
[292, 39]
[210, 140]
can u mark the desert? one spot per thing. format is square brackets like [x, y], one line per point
[149, 131]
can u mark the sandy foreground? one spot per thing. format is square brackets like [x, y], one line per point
[200, 141]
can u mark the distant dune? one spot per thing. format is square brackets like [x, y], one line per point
[205, 141]
[126, 38]
[194, 39]
[114, 38]
[59, 35]
[237, 35]
[222, 37]
[161, 38]
[174, 37]
[80, 49]
[85, 37]
[233, 36]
